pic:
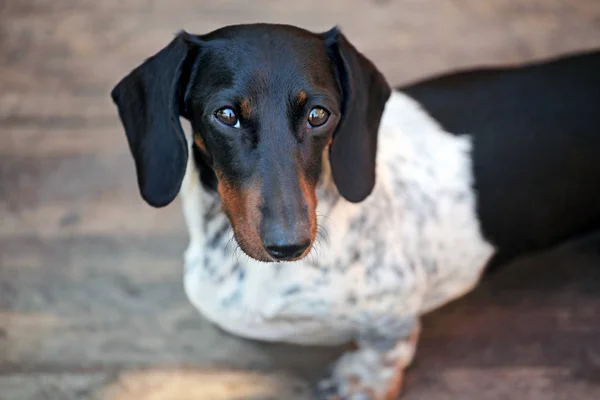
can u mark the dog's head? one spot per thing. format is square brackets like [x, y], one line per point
[264, 101]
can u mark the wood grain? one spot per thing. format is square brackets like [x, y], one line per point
[91, 297]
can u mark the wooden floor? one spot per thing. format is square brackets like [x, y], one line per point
[91, 299]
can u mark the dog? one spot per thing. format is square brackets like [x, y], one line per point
[324, 206]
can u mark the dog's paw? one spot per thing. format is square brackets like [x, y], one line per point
[364, 374]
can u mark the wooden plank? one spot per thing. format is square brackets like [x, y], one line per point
[163, 384]
[39, 109]
[123, 216]
[73, 386]
[499, 384]
[86, 55]
[37, 140]
[222, 384]
[91, 277]
[111, 289]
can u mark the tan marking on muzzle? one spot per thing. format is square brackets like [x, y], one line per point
[310, 197]
[242, 207]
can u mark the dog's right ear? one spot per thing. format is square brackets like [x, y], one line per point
[150, 101]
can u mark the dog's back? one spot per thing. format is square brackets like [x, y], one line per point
[536, 146]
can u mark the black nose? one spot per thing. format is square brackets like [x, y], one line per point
[287, 251]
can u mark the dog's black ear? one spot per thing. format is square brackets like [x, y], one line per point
[365, 92]
[150, 101]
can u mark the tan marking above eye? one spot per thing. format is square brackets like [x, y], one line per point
[246, 108]
[301, 98]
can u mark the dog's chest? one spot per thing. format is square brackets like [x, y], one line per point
[411, 246]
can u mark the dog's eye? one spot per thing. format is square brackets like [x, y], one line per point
[317, 117]
[228, 117]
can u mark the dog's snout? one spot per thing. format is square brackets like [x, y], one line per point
[282, 251]
[285, 243]
[287, 220]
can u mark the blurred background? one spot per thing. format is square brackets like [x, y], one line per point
[91, 297]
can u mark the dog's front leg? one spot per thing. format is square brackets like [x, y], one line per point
[375, 370]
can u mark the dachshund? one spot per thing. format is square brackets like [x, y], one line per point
[324, 206]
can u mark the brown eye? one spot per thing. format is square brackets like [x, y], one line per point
[317, 117]
[228, 117]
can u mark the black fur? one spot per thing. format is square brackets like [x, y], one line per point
[354, 146]
[152, 97]
[271, 76]
[535, 128]
[536, 138]
[149, 103]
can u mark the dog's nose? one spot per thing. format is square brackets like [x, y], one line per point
[282, 250]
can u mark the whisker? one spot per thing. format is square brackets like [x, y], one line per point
[315, 255]
[322, 232]
[324, 216]
[238, 253]
[311, 257]
[231, 242]
[314, 251]
[248, 259]
[236, 249]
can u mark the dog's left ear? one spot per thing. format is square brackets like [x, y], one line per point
[365, 92]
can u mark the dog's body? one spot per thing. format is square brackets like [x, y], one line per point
[410, 246]
[468, 166]
[536, 135]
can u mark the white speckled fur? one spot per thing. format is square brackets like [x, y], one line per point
[413, 245]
